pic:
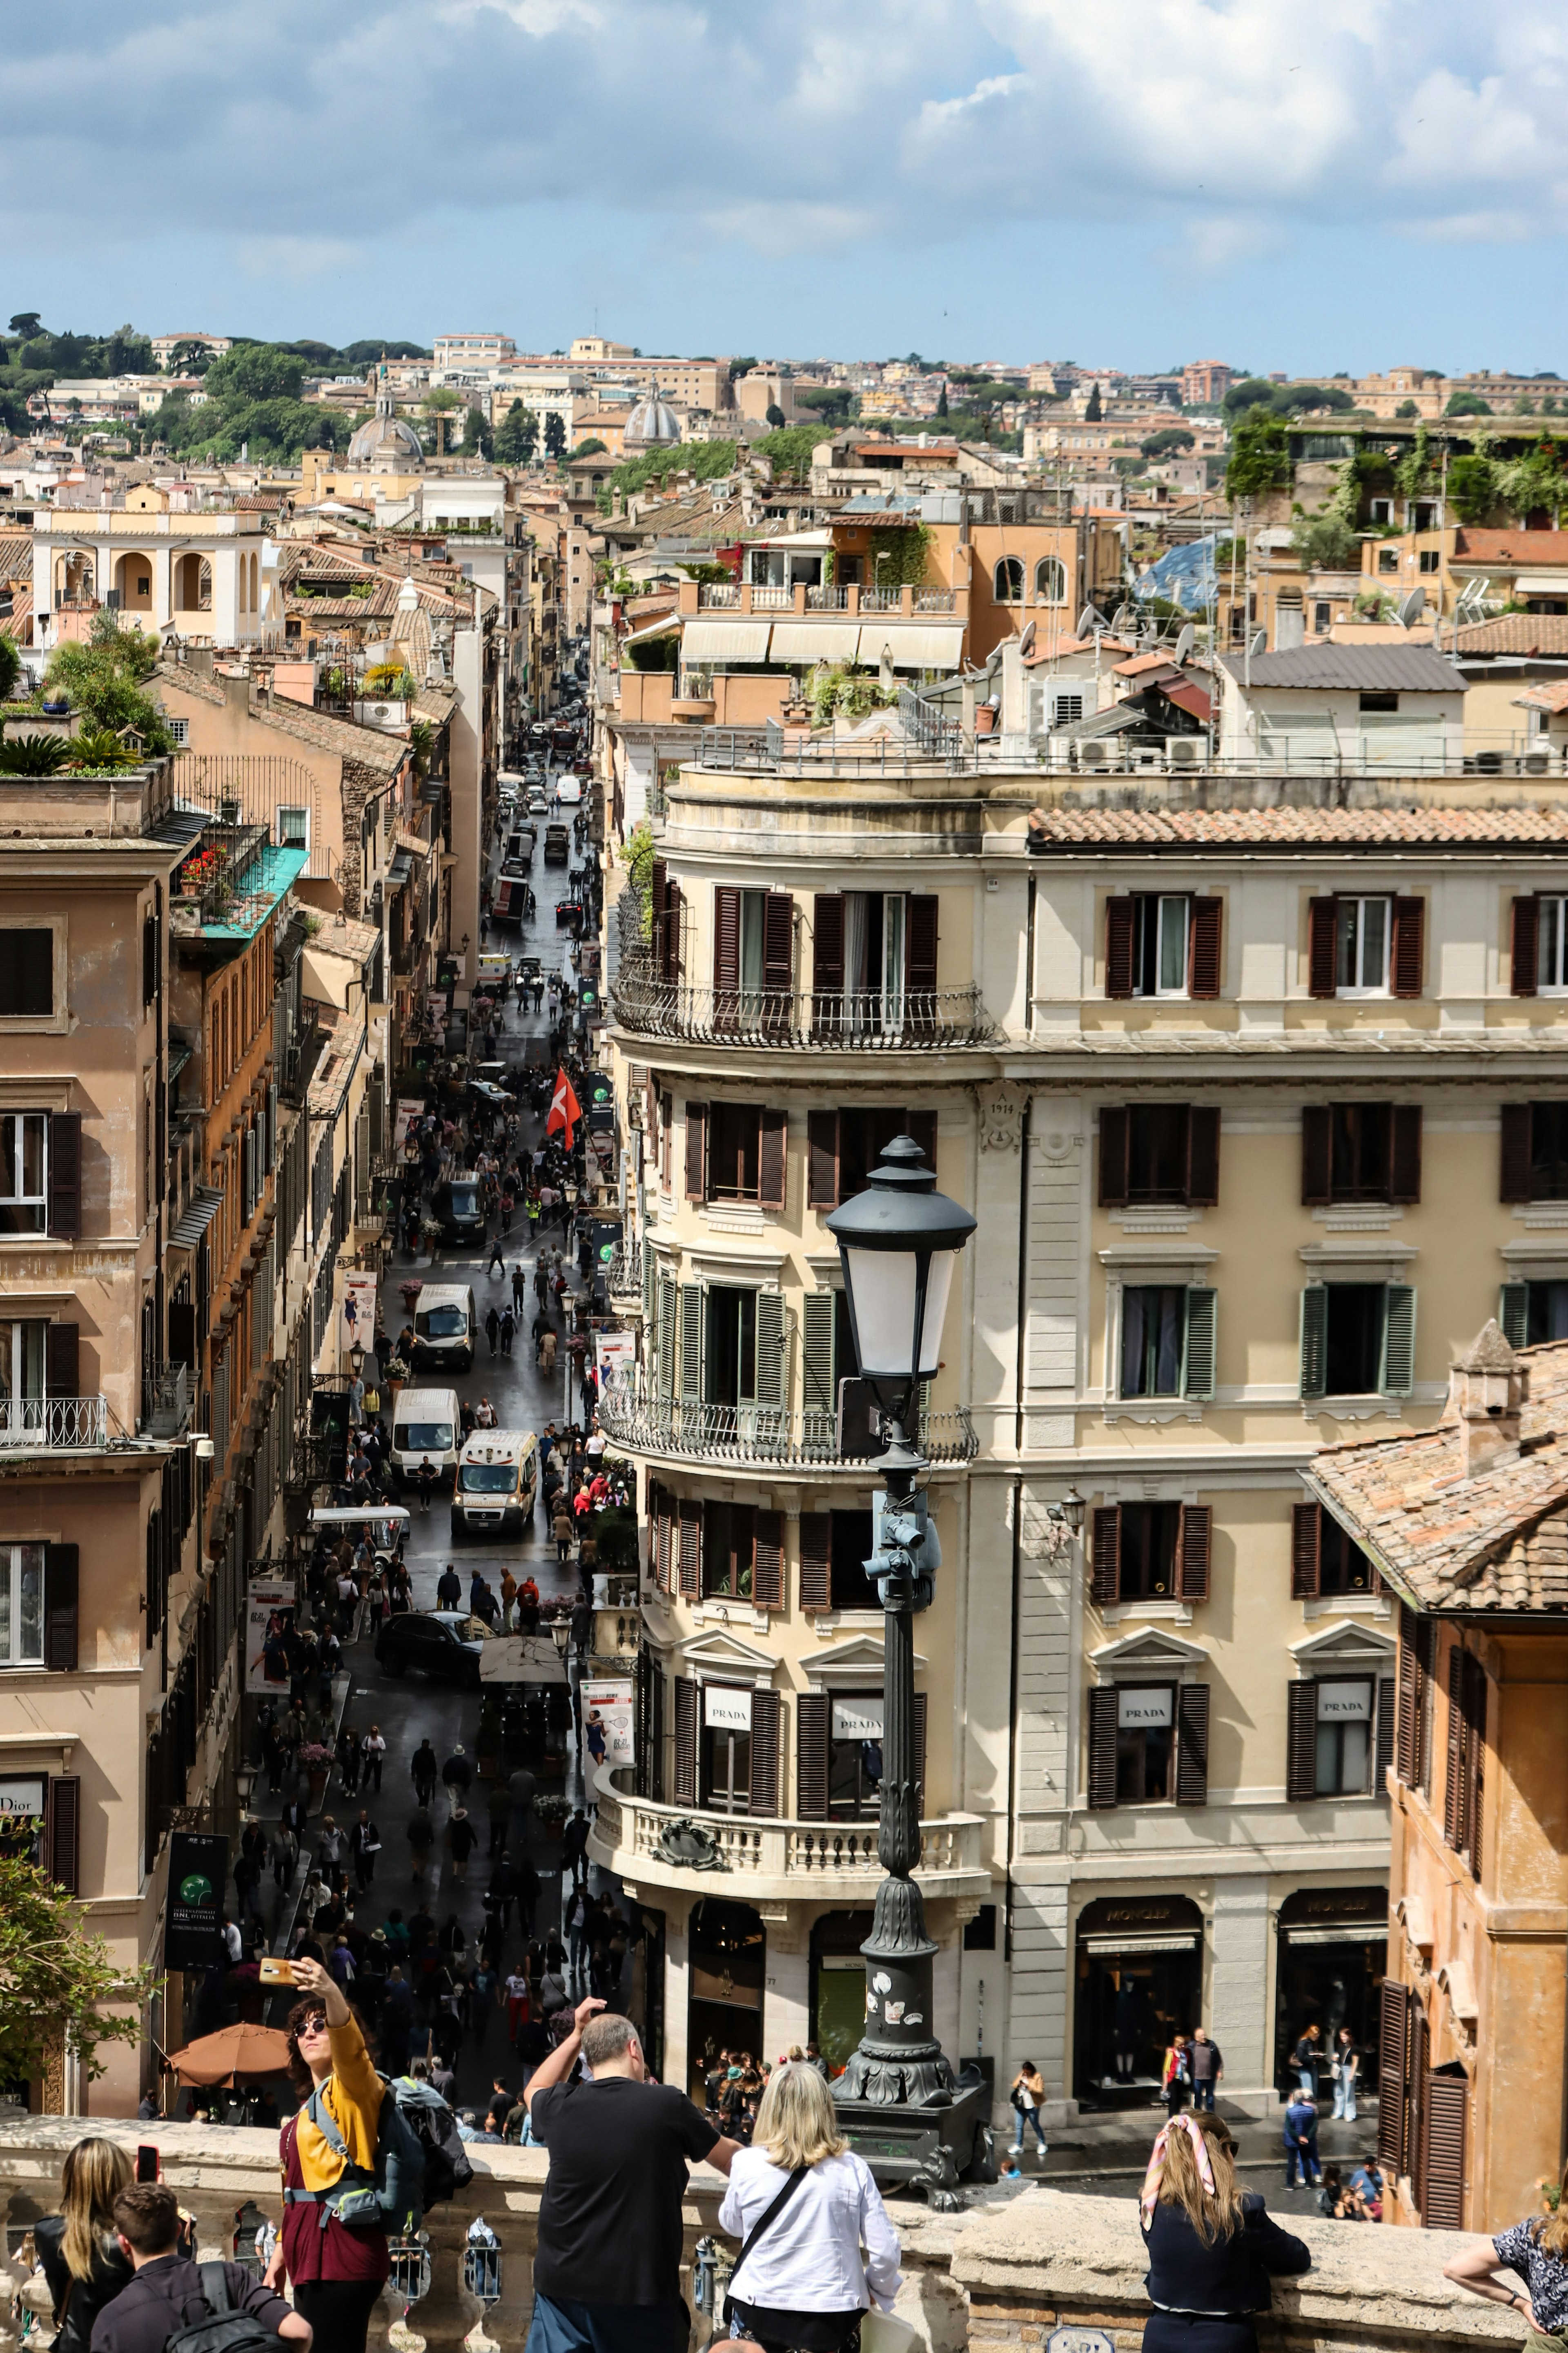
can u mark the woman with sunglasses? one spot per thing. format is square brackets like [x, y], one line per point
[333, 2245]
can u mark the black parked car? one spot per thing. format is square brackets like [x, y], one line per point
[433, 1644]
[461, 1213]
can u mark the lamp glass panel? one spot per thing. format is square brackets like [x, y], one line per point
[938, 1282]
[882, 1284]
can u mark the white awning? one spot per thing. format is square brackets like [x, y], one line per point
[1540, 584]
[1347, 1932]
[706, 641]
[811, 641]
[327, 978]
[928, 649]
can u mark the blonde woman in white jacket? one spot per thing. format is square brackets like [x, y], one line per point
[830, 2253]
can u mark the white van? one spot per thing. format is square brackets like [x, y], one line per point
[425, 1424]
[444, 1319]
[569, 790]
[498, 1479]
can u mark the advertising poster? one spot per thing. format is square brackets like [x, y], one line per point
[410, 1112]
[612, 1703]
[357, 1313]
[198, 1873]
[614, 1352]
[268, 1615]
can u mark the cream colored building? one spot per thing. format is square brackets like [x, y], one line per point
[1223, 1085]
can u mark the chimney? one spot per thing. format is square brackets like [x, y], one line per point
[1486, 1390]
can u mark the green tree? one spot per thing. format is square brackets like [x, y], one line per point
[1252, 392]
[1407, 408]
[788, 449]
[479, 441]
[1167, 438]
[1472, 487]
[554, 434]
[1466, 404]
[775, 417]
[10, 666]
[591, 447]
[256, 372]
[102, 680]
[1093, 411]
[26, 323]
[519, 435]
[942, 402]
[1259, 455]
[56, 1981]
[191, 359]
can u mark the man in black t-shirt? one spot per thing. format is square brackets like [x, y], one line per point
[606, 2277]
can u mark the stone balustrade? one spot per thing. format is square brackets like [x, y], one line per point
[759, 1859]
[1002, 2276]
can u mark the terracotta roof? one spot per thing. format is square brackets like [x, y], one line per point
[1188, 695]
[1142, 665]
[1494, 1542]
[1523, 825]
[1513, 546]
[16, 554]
[1551, 695]
[369, 747]
[1406, 669]
[1510, 633]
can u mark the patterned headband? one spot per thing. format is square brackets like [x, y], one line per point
[1199, 2139]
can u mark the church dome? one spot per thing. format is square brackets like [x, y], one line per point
[384, 442]
[652, 425]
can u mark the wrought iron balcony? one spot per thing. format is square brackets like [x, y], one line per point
[624, 1280]
[764, 1434]
[46, 1423]
[755, 1856]
[924, 1020]
[166, 1401]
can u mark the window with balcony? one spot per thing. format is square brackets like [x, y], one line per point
[1163, 943]
[294, 828]
[1159, 1155]
[1151, 1552]
[1534, 1152]
[1358, 1339]
[727, 1748]
[24, 1346]
[1355, 1152]
[754, 956]
[874, 956]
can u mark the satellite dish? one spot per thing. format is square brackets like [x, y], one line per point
[1089, 622]
[1412, 606]
[1026, 642]
[1260, 642]
[1186, 643]
[1121, 617]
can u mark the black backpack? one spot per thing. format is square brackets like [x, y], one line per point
[222, 2329]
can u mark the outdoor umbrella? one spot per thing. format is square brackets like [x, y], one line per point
[233, 2052]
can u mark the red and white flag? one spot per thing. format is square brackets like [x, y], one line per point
[565, 1110]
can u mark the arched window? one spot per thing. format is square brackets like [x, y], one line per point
[1007, 586]
[242, 584]
[1050, 580]
[255, 563]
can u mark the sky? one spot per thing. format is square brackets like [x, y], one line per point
[1356, 185]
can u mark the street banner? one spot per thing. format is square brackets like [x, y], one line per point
[612, 1703]
[268, 1615]
[193, 1928]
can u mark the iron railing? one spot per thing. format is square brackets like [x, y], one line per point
[49, 1422]
[624, 1280]
[922, 1021]
[759, 1433]
[166, 1401]
[789, 752]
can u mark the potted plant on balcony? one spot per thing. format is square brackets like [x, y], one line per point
[550, 1812]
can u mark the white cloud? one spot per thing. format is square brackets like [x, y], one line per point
[297, 258]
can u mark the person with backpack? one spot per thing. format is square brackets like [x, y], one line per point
[353, 2169]
[173, 2303]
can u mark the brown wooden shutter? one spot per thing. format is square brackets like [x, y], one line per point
[812, 1723]
[61, 1583]
[696, 1151]
[1420, 2050]
[1385, 1728]
[920, 1125]
[919, 944]
[674, 962]
[1194, 1543]
[1204, 930]
[1404, 1173]
[1306, 1551]
[1317, 1143]
[919, 1732]
[1119, 947]
[1202, 1156]
[773, 1157]
[764, 1796]
[1322, 923]
[726, 941]
[828, 943]
[62, 1372]
[1517, 1151]
[1192, 1744]
[767, 1574]
[1524, 947]
[1302, 1744]
[1407, 1735]
[691, 1550]
[1407, 961]
[62, 1831]
[685, 1741]
[821, 1159]
[1445, 2115]
[816, 1560]
[65, 1175]
[1475, 1757]
[1113, 1134]
[1102, 1748]
[1454, 1791]
[778, 949]
[1393, 2081]
[1105, 1554]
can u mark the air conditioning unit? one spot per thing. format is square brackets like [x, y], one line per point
[1094, 753]
[1535, 763]
[1185, 751]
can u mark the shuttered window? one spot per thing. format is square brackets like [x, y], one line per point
[1366, 946]
[686, 1701]
[1358, 1339]
[1444, 2136]
[1141, 1552]
[1159, 1155]
[1340, 1733]
[1393, 2074]
[1355, 1152]
[1324, 1560]
[1149, 1745]
[843, 1147]
[816, 1560]
[1169, 1333]
[1465, 1783]
[1163, 943]
[765, 1728]
[1534, 1155]
[813, 1719]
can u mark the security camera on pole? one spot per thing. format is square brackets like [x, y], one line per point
[898, 1243]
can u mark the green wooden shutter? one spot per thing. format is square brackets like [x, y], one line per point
[816, 1372]
[649, 1284]
[1203, 1310]
[771, 1385]
[666, 1335]
[1314, 1340]
[1398, 1339]
[691, 1304]
[1513, 1313]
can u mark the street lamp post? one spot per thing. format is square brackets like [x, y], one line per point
[898, 1243]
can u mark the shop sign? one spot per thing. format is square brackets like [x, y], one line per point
[857, 1719]
[198, 1873]
[1141, 1708]
[616, 1351]
[22, 1798]
[1344, 1703]
[725, 1709]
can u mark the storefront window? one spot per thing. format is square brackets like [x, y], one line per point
[1139, 1980]
[728, 1949]
[1334, 1949]
[726, 1748]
